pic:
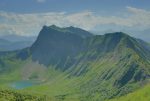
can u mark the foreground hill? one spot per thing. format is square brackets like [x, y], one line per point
[73, 64]
[142, 94]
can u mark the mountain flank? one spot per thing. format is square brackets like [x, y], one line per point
[75, 62]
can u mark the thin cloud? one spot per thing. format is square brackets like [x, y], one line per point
[29, 24]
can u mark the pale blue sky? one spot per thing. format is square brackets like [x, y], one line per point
[26, 17]
[32, 6]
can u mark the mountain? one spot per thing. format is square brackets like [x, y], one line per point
[14, 42]
[73, 64]
[55, 44]
[74, 30]
[17, 38]
[10, 46]
[144, 44]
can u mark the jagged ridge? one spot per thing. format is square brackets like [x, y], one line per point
[112, 64]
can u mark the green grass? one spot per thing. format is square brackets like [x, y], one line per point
[11, 74]
[101, 73]
[142, 94]
[12, 95]
[87, 87]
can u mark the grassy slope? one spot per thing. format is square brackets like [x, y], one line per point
[94, 77]
[11, 74]
[87, 86]
[142, 94]
[97, 83]
[12, 95]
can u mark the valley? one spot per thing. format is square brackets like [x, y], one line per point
[72, 64]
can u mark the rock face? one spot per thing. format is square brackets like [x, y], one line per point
[114, 63]
[54, 45]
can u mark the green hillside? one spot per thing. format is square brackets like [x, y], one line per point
[142, 94]
[70, 64]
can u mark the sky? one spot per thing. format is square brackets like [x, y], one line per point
[26, 17]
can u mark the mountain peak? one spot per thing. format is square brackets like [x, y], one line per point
[53, 26]
[72, 30]
[117, 37]
[122, 34]
[114, 63]
[50, 27]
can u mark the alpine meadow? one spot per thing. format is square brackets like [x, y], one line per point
[89, 50]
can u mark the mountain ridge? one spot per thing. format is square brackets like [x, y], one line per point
[99, 66]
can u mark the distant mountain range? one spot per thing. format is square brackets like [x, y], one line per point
[15, 42]
[74, 64]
